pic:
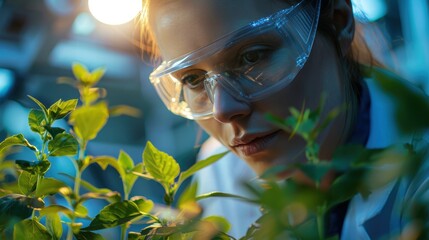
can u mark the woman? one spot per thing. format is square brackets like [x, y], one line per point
[227, 64]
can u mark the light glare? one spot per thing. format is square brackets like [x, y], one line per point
[114, 12]
[370, 10]
[6, 81]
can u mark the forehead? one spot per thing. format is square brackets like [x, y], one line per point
[181, 26]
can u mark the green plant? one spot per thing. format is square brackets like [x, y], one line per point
[297, 210]
[24, 213]
[291, 209]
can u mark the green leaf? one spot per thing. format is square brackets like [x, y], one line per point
[220, 222]
[160, 165]
[28, 166]
[124, 110]
[16, 207]
[125, 162]
[90, 95]
[308, 230]
[111, 196]
[45, 111]
[37, 121]
[144, 205]
[200, 165]
[43, 166]
[80, 72]
[225, 195]
[55, 209]
[134, 236]
[81, 211]
[411, 104]
[54, 131]
[88, 186]
[159, 232]
[54, 226]
[31, 229]
[27, 182]
[60, 109]
[85, 77]
[346, 186]
[188, 196]
[131, 178]
[16, 140]
[40, 167]
[105, 161]
[85, 235]
[76, 226]
[316, 171]
[89, 120]
[67, 80]
[49, 186]
[114, 214]
[97, 74]
[63, 144]
[345, 157]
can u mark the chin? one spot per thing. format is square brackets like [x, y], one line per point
[278, 164]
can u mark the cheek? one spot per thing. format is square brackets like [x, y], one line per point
[320, 76]
[213, 128]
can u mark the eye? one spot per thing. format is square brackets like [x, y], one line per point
[251, 57]
[255, 55]
[193, 78]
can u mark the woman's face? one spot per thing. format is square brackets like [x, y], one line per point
[181, 26]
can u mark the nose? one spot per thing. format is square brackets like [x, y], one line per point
[226, 107]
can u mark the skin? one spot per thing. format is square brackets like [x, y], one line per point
[181, 26]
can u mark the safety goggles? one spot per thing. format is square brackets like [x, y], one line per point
[250, 63]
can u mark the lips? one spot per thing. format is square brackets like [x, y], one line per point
[252, 144]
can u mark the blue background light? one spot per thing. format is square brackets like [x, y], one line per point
[371, 10]
[7, 79]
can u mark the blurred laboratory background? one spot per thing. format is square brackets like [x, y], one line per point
[40, 39]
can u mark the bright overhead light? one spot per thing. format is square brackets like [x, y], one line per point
[114, 12]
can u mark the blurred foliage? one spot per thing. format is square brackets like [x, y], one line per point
[297, 210]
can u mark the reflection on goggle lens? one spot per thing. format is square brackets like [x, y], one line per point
[249, 63]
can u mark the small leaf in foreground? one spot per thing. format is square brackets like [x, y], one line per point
[36, 121]
[27, 182]
[15, 207]
[31, 229]
[144, 205]
[114, 214]
[53, 225]
[45, 111]
[85, 235]
[200, 165]
[60, 109]
[160, 165]
[16, 140]
[63, 144]
[89, 120]
[49, 186]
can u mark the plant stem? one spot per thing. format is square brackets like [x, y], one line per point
[70, 232]
[123, 231]
[321, 222]
[77, 179]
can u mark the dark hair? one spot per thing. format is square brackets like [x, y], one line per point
[358, 54]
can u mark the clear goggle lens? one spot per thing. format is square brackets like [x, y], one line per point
[250, 63]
